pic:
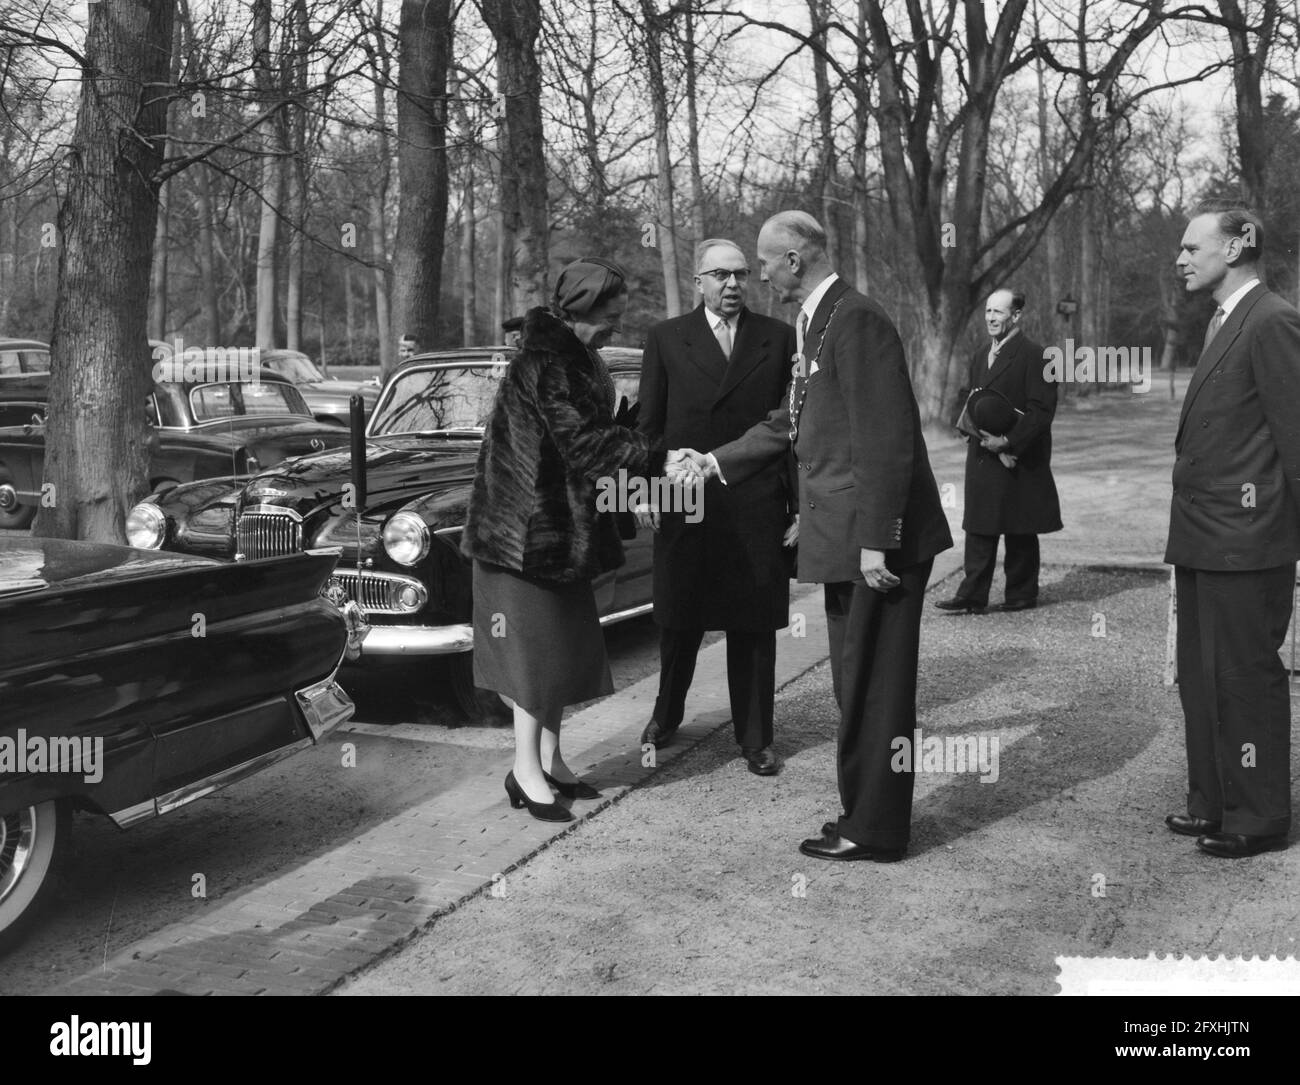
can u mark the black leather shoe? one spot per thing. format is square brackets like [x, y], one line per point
[1019, 604]
[575, 790]
[542, 811]
[762, 762]
[961, 606]
[833, 846]
[1239, 846]
[657, 734]
[1186, 825]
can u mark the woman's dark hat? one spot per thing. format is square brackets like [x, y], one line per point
[587, 283]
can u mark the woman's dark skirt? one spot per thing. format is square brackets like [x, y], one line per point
[538, 642]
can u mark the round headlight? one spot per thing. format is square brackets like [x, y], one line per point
[406, 538]
[145, 526]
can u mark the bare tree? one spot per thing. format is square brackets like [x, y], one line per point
[525, 232]
[423, 59]
[96, 452]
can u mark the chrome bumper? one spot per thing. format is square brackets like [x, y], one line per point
[417, 640]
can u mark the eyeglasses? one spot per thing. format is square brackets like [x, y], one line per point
[722, 274]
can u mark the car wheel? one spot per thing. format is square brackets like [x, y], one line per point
[479, 705]
[13, 515]
[33, 844]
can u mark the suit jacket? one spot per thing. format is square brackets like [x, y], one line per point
[1021, 500]
[727, 570]
[1236, 502]
[864, 475]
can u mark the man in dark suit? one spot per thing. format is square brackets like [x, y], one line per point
[706, 377]
[1234, 537]
[870, 522]
[1009, 486]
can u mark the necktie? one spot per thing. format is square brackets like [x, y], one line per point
[993, 354]
[723, 331]
[1216, 322]
[802, 330]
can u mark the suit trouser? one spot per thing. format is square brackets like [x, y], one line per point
[1021, 564]
[875, 639]
[751, 680]
[1236, 696]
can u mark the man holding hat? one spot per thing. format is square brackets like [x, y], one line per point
[1009, 486]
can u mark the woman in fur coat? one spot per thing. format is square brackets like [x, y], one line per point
[533, 530]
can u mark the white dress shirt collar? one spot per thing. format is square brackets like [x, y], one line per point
[814, 299]
[1230, 302]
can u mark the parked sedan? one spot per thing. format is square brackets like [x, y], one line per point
[201, 430]
[136, 682]
[401, 557]
[326, 399]
[19, 357]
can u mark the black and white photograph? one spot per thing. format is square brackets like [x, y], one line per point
[649, 498]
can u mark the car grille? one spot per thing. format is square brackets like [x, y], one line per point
[267, 535]
[377, 593]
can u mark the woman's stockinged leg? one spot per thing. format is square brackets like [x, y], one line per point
[552, 759]
[528, 770]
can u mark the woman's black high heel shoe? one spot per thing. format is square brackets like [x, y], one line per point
[542, 811]
[575, 790]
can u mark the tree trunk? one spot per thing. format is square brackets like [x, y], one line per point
[666, 228]
[208, 294]
[272, 176]
[158, 271]
[819, 14]
[349, 313]
[96, 455]
[381, 274]
[699, 227]
[515, 25]
[296, 173]
[469, 263]
[424, 52]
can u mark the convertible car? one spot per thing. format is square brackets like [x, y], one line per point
[200, 430]
[401, 557]
[136, 682]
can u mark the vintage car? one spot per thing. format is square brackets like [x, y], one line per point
[19, 357]
[134, 682]
[401, 557]
[200, 430]
[326, 399]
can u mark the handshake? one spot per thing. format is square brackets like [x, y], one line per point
[686, 466]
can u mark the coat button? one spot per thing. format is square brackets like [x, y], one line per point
[812, 504]
[1204, 423]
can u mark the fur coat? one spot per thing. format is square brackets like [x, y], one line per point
[551, 438]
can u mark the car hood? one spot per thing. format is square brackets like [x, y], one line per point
[30, 564]
[398, 469]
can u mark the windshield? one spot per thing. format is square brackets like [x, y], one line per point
[297, 367]
[213, 401]
[446, 398]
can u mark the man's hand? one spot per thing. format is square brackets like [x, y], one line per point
[647, 516]
[874, 572]
[1008, 460]
[791, 533]
[992, 443]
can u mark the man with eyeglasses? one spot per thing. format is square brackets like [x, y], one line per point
[706, 378]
